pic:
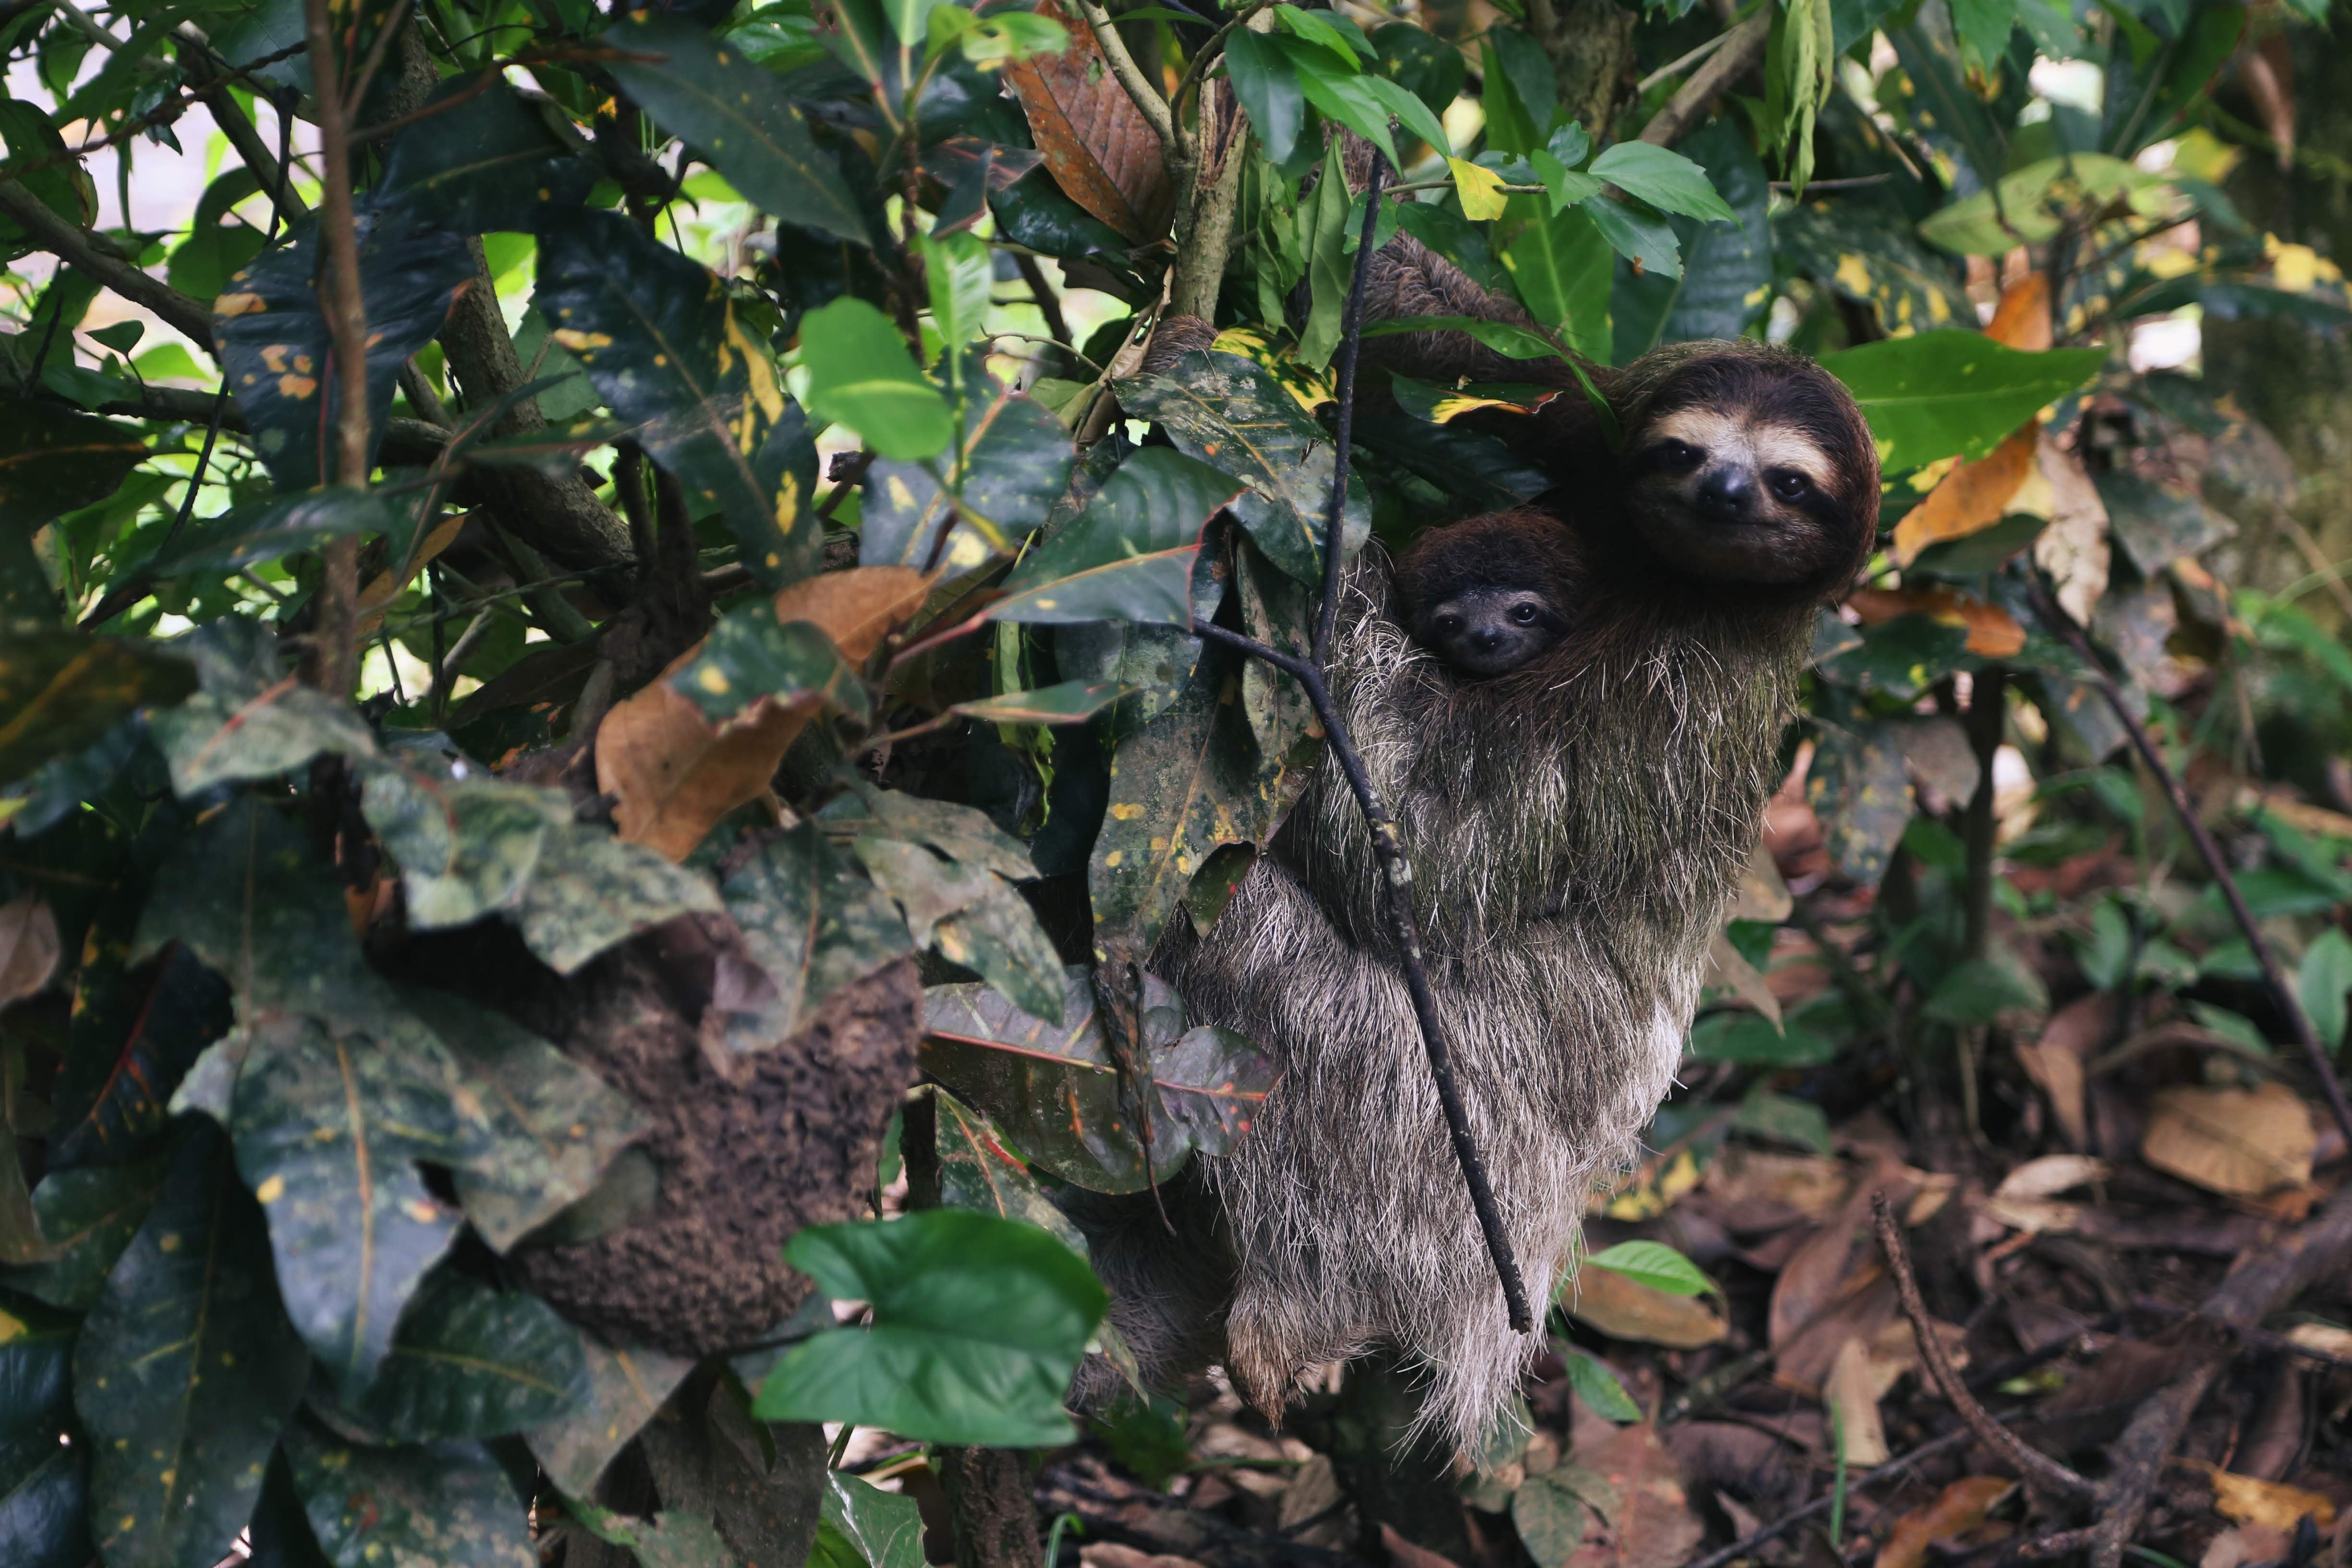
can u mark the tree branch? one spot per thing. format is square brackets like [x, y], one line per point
[1742, 49]
[1351, 327]
[343, 303]
[99, 260]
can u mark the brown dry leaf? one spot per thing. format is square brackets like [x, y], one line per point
[29, 947]
[1652, 1525]
[1992, 631]
[2243, 1143]
[1970, 498]
[1626, 1308]
[1962, 1507]
[1405, 1554]
[2050, 1175]
[672, 775]
[1728, 969]
[2075, 550]
[1095, 143]
[2273, 1503]
[1763, 895]
[2325, 1338]
[1112, 1554]
[1757, 1189]
[386, 586]
[2242, 1544]
[1852, 1394]
[2054, 1062]
[1835, 1262]
[2022, 319]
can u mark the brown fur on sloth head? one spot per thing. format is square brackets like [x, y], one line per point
[1747, 479]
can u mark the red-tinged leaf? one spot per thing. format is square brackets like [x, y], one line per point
[1094, 140]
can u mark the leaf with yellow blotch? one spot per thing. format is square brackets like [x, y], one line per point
[1969, 499]
[1960, 1507]
[1993, 632]
[2022, 319]
[1095, 143]
[2244, 1143]
[672, 776]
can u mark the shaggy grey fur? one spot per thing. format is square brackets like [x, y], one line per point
[1573, 847]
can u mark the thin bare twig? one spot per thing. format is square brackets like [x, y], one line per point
[1893, 1469]
[1351, 327]
[2055, 617]
[2037, 1466]
[99, 260]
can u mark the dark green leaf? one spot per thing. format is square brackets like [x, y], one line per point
[625, 1387]
[45, 1503]
[738, 115]
[427, 1504]
[275, 346]
[1017, 460]
[60, 181]
[1212, 1083]
[284, 525]
[1750, 1038]
[62, 690]
[1903, 657]
[88, 1218]
[483, 159]
[1985, 991]
[53, 461]
[1424, 65]
[1129, 556]
[1787, 1118]
[1727, 278]
[978, 1172]
[749, 657]
[1937, 393]
[2158, 524]
[1861, 790]
[474, 1361]
[134, 1032]
[185, 1370]
[249, 719]
[1868, 255]
[1232, 413]
[999, 939]
[1559, 265]
[959, 832]
[1598, 1388]
[330, 1124]
[661, 339]
[1643, 238]
[1267, 87]
[1068, 702]
[885, 1529]
[1550, 1517]
[977, 1324]
[811, 923]
[861, 375]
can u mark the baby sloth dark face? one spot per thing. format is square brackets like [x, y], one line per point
[1489, 628]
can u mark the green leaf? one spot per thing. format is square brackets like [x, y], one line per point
[88, 1218]
[977, 1172]
[330, 1125]
[1017, 459]
[553, 1126]
[185, 1370]
[1549, 1517]
[471, 1360]
[1598, 1387]
[425, 1503]
[44, 1501]
[1267, 85]
[1727, 278]
[885, 1529]
[1232, 413]
[999, 939]
[1323, 235]
[480, 160]
[1343, 98]
[1643, 238]
[1559, 264]
[1986, 991]
[625, 1387]
[1903, 657]
[276, 351]
[661, 339]
[284, 525]
[861, 375]
[134, 1031]
[811, 923]
[53, 461]
[1067, 702]
[2036, 201]
[2320, 981]
[1750, 1038]
[1430, 69]
[59, 181]
[248, 719]
[737, 113]
[1787, 1118]
[959, 832]
[61, 691]
[1664, 178]
[1520, 92]
[1860, 789]
[1937, 393]
[978, 1324]
[960, 275]
[1129, 555]
[1654, 1264]
[749, 657]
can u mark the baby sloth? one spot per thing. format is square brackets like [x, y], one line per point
[1490, 594]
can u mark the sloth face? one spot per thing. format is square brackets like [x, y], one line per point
[1489, 629]
[1740, 493]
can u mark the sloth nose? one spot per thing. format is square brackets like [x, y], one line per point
[1486, 639]
[1726, 494]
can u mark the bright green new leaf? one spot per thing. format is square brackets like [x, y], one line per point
[978, 1322]
[2036, 200]
[861, 375]
[1598, 1387]
[1653, 1264]
[1938, 394]
[1661, 177]
[958, 269]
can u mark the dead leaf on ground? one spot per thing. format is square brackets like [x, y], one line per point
[1654, 1525]
[2022, 319]
[2273, 1503]
[1110, 1554]
[672, 776]
[1095, 143]
[1757, 1189]
[1993, 632]
[1849, 1395]
[2244, 1544]
[2325, 1338]
[2075, 549]
[29, 947]
[1827, 1268]
[2241, 1143]
[1626, 1308]
[2054, 1061]
[1961, 1508]
[1763, 895]
[1405, 1554]
[1968, 499]
[2023, 1201]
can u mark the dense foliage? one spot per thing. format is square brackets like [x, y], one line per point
[732, 500]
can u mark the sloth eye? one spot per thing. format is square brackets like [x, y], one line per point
[1681, 455]
[1449, 624]
[1790, 486]
[1524, 615]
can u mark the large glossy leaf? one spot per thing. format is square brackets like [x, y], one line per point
[660, 338]
[1938, 394]
[751, 658]
[977, 1172]
[883, 1529]
[44, 1472]
[483, 159]
[735, 114]
[61, 691]
[330, 1125]
[430, 1504]
[283, 525]
[861, 375]
[959, 832]
[1665, 179]
[53, 460]
[135, 1030]
[471, 1360]
[1097, 144]
[1129, 556]
[2036, 200]
[999, 939]
[1559, 265]
[86, 1217]
[1726, 277]
[1861, 790]
[1230, 412]
[1868, 255]
[553, 1126]
[59, 181]
[625, 1387]
[185, 1370]
[274, 347]
[1017, 460]
[250, 718]
[811, 923]
[978, 1322]
[1267, 84]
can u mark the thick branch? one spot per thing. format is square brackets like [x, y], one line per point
[343, 304]
[1739, 53]
[99, 259]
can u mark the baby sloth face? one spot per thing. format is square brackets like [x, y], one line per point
[1489, 628]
